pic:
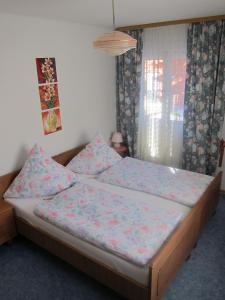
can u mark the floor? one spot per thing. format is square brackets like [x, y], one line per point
[29, 273]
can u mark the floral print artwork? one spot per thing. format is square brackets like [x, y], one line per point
[46, 69]
[177, 185]
[204, 96]
[95, 158]
[128, 86]
[49, 96]
[131, 229]
[51, 121]
[41, 176]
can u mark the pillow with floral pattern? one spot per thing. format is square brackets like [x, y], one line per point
[96, 157]
[40, 177]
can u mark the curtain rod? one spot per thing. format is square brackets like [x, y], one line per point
[173, 22]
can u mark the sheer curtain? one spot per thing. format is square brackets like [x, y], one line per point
[162, 95]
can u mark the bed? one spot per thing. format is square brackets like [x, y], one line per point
[148, 283]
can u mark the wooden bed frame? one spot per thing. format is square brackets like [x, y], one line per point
[163, 266]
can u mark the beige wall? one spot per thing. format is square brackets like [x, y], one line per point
[86, 86]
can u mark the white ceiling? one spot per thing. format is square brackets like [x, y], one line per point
[128, 12]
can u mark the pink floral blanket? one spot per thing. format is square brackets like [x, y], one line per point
[131, 229]
[182, 186]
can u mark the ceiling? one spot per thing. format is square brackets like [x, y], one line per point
[128, 12]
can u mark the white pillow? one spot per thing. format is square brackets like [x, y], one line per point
[95, 158]
[41, 176]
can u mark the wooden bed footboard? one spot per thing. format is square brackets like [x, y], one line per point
[95, 269]
[172, 255]
[209, 201]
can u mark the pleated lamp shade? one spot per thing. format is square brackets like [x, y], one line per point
[115, 43]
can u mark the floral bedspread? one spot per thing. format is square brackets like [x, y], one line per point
[182, 186]
[133, 230]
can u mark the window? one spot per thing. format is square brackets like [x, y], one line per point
[163, 83]
[153, 74]
[177, 89]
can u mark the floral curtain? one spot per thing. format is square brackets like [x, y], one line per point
[128, 82]
[204, 96]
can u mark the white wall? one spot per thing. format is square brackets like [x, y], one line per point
[86, 86]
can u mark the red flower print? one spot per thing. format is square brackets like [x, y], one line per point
[91, 190]
[99, 165]
[114, 222]
[47, 162]
[128, 231]
[65, 197]
[32, 151]
[146, 208]
[97, 223]
[70, 206]
[90, 155]
[114, 243]
[82, 202]
[47, 178]
[145, 229]
[173, 196]
[54, 214]
[31, 185]
[60, 187]
[71, 216]
[69, 177]
[163, 227]
[142, 250]
[18, 188]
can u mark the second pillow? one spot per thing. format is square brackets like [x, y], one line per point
[96, 157]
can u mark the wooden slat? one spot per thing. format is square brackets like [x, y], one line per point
[172, 22]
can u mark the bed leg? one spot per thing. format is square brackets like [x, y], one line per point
[214, 213]
[9, 242]
[188, 257]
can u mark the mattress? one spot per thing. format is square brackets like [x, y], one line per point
[24, 209]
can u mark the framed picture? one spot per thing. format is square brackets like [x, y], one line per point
[51, 121]
[49, 96]
[46, 70]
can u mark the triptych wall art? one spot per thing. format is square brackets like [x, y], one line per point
[49, 95]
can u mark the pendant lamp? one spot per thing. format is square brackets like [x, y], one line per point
[115, 43]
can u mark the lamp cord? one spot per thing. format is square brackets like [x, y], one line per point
[113, 9]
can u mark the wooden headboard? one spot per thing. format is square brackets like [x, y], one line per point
[62, 158]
